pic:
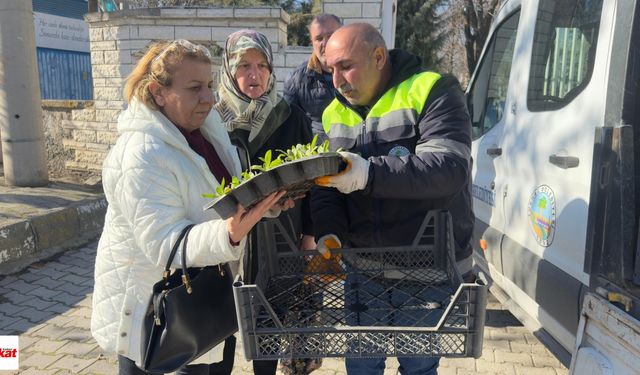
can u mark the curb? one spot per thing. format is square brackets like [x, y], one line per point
[25, 241]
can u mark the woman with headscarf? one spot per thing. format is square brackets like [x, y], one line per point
[258, 120]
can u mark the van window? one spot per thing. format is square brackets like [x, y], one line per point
[488, 95]
[564, 45]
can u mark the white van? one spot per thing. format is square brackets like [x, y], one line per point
[555, 106]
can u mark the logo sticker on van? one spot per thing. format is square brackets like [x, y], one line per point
[542, 214]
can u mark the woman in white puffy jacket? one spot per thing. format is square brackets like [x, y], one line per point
[171, 149]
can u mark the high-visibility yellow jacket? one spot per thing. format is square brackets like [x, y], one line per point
[417, 137]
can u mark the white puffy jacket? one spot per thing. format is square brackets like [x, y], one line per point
[154, 183]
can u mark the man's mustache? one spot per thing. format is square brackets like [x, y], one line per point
[345, 88]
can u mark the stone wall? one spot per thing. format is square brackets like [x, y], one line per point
[119, 39]
[55, 113]
[355, 10]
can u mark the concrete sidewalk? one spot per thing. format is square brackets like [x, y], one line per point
[49, 306]
[36, 223]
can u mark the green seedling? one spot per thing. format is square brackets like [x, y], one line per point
[300, 151]
[268, 162]
[324, 147]
[220, 191]
[247, 175]
[294, 153]
[223, 188]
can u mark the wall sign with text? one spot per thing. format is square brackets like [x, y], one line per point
[62, 33]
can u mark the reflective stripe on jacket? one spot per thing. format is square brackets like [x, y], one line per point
[397, 109]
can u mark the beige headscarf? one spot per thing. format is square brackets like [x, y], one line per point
[237, 110]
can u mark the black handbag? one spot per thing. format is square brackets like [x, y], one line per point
[190, 311]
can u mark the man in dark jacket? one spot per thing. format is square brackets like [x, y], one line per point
[310, 86]
[408, 136]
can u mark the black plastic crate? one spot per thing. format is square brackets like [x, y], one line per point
[374, 302]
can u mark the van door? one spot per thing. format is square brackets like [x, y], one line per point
[608, 338]
[561, 81]
[488, 99]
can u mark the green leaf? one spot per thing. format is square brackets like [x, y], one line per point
[276, 162]
[259, 168]
[313, 142]
[267, 158]
[324, 147]
[220, 188]
[247, 175]
[234, 181]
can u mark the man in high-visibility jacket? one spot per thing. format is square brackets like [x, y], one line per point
[407, 133]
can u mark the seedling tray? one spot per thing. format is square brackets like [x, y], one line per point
[374, 302]
[296, 177]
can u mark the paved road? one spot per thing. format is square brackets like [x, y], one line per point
[49, 306]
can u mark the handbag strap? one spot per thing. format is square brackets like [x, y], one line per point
[185, 273]
[174, 249]
[186, 280]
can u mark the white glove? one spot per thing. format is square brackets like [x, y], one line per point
[326, 243]
[354, 177]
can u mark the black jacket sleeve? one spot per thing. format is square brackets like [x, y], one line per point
[440, 166]
[291, 85]
[332, 204]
